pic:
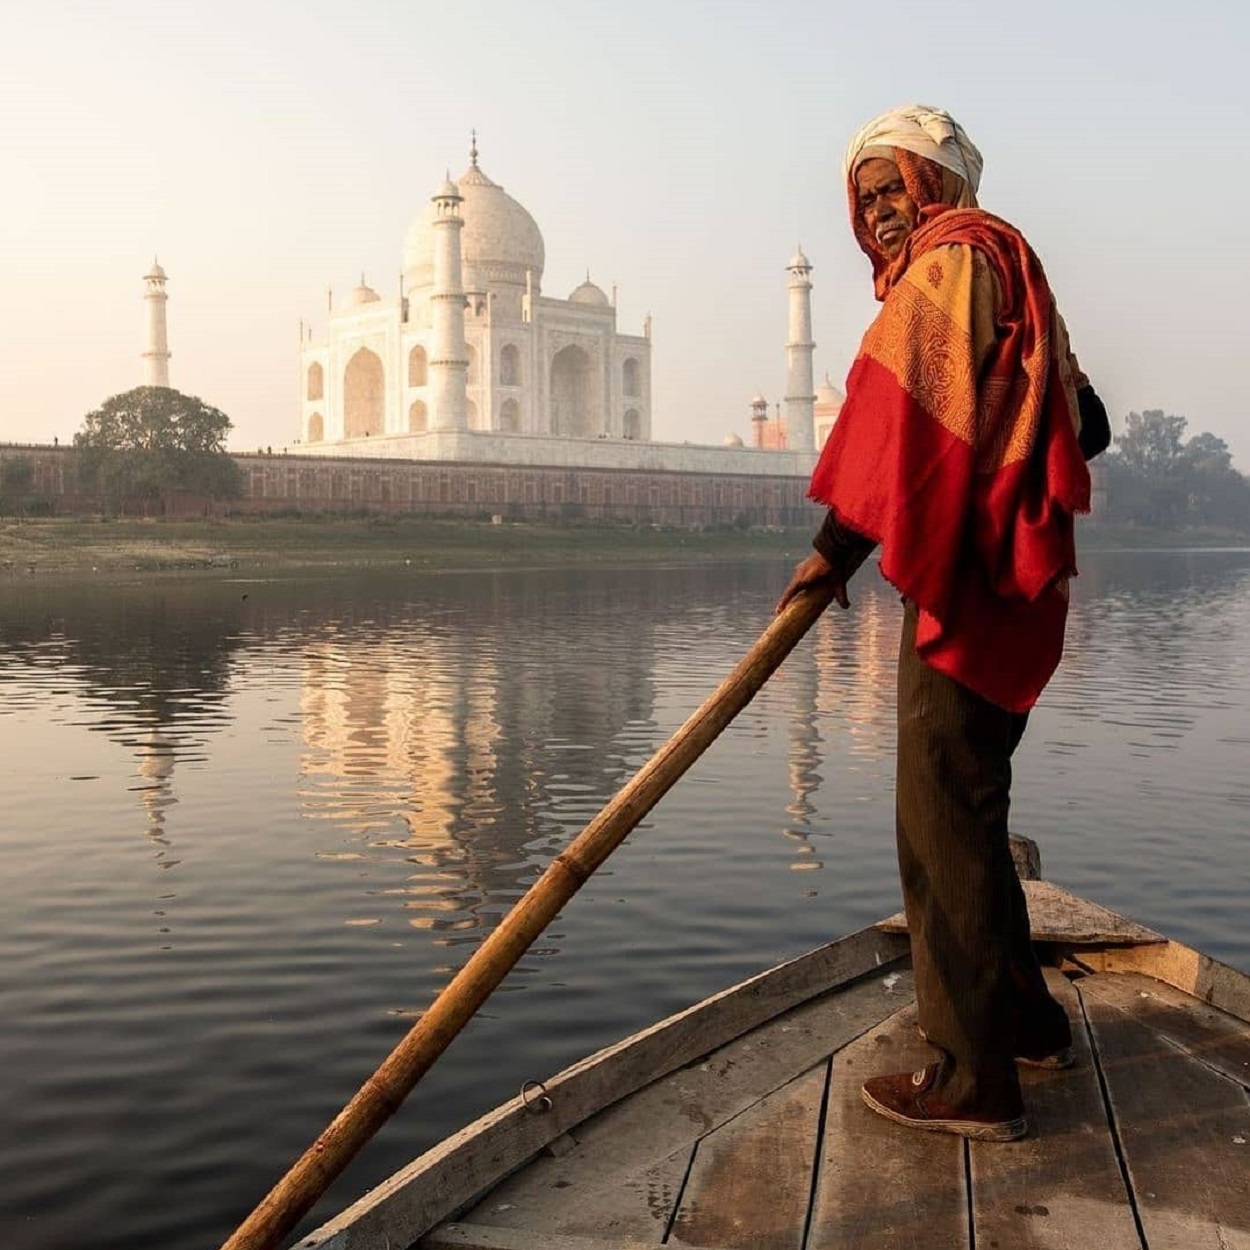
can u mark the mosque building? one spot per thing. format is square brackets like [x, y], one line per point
[471, 361]
[470, 365]
[472, 344]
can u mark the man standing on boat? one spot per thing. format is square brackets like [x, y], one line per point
[961, 451]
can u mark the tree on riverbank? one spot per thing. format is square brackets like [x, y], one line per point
[17, 476]
[1158, 478]
[154, 440]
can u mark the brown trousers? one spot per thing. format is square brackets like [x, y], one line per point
[979, 987]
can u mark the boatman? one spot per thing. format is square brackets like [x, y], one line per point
[960, 452]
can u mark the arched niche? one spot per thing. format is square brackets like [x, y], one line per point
[632, 425]
[418, 417]
[631, 378]
[364, 396]
[510, 365]
[418, 367]
[573, 411]
[316, 382]
[316, 428]
[510, 416]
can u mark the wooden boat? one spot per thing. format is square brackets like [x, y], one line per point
[738, 1123]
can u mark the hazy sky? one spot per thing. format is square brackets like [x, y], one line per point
[678, 148]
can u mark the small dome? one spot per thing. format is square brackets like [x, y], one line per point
[590, 294]
[448, 191]
[733, 440]
[362, 295]
[156, 271]
[499, 240]
[799, 261]
[759, 401]
[827, 393]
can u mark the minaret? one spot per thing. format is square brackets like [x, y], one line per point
[155, 339]
[800, 393]
[759, 418]
[449, 354]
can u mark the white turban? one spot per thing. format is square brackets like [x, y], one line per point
[928, 132]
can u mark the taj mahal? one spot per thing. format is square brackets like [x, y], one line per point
[471, 361]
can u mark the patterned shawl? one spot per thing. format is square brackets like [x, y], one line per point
[956, 448]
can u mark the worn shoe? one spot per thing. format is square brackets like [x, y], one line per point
[1057, 1060]
[908, 1098]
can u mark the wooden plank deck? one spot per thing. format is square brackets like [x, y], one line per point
[1144, 1145]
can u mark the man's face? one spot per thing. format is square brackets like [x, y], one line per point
[888, 211]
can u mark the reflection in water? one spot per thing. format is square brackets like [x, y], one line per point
[395, 728]
[157, 753]
[410, 722]
[149, 666]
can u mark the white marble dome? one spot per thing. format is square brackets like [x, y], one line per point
[362, 294]
[500, 241]
[827, 393]
[588, 293]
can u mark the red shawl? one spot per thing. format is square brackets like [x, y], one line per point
[956, 449]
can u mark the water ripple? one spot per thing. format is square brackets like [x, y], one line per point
[293, 817]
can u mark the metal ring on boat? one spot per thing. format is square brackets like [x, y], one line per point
[537, 1105]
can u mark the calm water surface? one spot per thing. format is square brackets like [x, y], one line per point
[252, 827]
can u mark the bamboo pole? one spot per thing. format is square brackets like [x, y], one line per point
[381, 1095]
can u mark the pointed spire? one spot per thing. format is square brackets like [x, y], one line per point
[473, 149]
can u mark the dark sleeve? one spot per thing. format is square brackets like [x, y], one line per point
[1095, 435]
[846, 549]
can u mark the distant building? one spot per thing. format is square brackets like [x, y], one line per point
[472, 344]
[771, 433]
[829, 401]
[472, 362]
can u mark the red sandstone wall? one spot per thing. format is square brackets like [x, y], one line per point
[278, 484]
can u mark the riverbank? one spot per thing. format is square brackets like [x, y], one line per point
[65, 546]
[73, 546]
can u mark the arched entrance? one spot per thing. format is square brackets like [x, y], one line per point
[573, 412]
[363, 395]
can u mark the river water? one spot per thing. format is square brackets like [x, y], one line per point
[252, 826]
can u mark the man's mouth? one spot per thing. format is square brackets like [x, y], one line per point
[889, 231]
